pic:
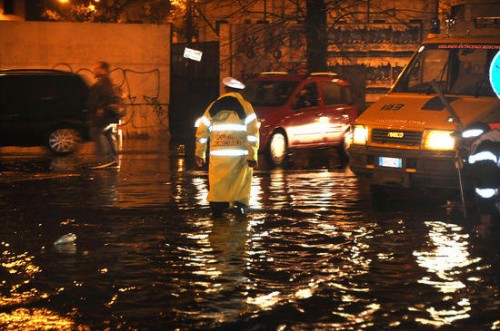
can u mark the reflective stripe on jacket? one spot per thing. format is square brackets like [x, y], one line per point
[226, 130]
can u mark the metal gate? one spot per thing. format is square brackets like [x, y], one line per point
[193, 86]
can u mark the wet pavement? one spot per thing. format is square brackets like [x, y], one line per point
[315, 253]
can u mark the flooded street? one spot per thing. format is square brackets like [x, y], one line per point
[314, 254]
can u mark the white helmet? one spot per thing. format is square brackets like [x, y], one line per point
[233, 83]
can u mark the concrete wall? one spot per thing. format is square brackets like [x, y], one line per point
[138, 53]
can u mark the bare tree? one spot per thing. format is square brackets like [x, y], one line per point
[113, 11]
[319, 19]
[316, 35]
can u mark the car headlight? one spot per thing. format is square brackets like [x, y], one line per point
[439, 140]
[359, 135]
[472, 133]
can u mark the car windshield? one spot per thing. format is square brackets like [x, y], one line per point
[269, 92]
[459, 69]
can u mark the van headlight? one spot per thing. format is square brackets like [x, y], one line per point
[359, 135]
[439, 140]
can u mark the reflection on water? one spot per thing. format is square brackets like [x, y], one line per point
[312, 255]
[36, 319]
[18, 271]
[448, 261]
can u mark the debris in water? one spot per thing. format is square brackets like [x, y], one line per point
[67, 239]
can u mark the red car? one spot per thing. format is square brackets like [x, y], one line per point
[295, 112]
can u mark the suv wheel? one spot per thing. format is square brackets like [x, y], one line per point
[278, 149]
[64, 141]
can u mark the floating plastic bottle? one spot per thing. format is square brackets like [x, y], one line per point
[69, 238]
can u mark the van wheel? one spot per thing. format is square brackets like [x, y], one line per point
[278, 149]
[64, 141]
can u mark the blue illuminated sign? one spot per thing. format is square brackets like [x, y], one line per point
[495, 74]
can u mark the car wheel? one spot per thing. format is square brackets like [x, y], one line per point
[64, 141]
[278, 149]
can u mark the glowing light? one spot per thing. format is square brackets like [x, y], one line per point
[482, 156]
[322, 126]
[439, 140]
[256, 192]
[359, 135]
[265, 301]
[450, 253]
[495, 74]
[252, 139]
[203, 120]
[37, 319]
[486, 193]
[202, 190]
[91, 7]
[229, 152]
[250, 118]
[472, 133]
[228, 127]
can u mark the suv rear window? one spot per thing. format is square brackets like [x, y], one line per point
[268, 92]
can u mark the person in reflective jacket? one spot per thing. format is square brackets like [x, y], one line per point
[484, 160]
[229, 125]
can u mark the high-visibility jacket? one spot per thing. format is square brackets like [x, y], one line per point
[231, 128]
[485, 162]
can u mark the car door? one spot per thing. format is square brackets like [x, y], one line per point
[12, 106]
[336, 111]
[304, 127]
[45, 106]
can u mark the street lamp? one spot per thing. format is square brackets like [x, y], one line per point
[63, 1]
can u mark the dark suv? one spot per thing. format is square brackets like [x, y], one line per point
[43, 108]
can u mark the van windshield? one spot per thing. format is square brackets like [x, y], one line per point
[269, 92]
[459, 69]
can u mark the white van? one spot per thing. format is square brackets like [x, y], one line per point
[408, 138]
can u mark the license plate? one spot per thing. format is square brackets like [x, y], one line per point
[390, 162]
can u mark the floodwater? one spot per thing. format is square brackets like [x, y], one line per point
[315, 253]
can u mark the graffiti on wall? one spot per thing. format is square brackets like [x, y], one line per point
[139, 92]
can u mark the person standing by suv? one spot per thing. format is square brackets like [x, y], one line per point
[102, 110]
